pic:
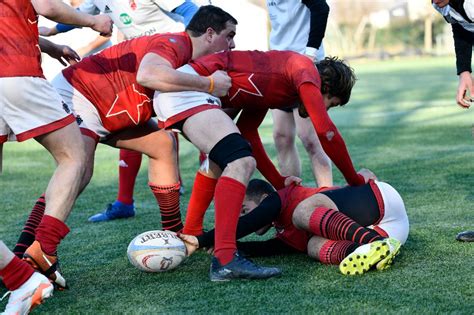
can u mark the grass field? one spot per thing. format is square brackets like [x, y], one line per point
[402, 123]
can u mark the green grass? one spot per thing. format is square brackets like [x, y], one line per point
[402, 123]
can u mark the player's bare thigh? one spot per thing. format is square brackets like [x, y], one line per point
[306, 207]
[205, 129]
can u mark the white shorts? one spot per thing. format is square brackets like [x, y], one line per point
[30, 107]
[394, 219]
[173, 107]
[86, 114]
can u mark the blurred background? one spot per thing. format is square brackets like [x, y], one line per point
[357, 29]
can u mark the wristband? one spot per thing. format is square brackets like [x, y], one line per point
[211, 85]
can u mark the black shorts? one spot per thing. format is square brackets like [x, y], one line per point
[357, 202]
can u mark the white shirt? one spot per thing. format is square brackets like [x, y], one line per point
[136, 18]
[454, 17]
[290, 21]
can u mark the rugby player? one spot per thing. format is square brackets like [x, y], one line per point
[260, 81]
[357, 227]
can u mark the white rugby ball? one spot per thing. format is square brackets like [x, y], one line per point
[156, 251]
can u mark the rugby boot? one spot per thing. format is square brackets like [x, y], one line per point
[29, 295]
[466, 236]
[240, 268]
[116, 210]
[394, 246]
[46, 264]
[364, 258]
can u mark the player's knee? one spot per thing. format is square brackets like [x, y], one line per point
[283, 139]
[245, 165]
[233, 150]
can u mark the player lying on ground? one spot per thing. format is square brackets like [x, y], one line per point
[356, 227]
[110, 94]
[260, 81]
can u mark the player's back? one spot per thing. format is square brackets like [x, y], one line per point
[260, 79]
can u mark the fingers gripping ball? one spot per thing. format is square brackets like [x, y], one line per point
[156, 251]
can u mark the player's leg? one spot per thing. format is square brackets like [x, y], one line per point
[319, 215]
[201, 197]
[213, 132]
[284, 132]
[159, 146]
[62, 144]
[328, 251]
[27, 288]
[320, 162]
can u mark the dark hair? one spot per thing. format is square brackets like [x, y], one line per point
[209, 16]
[337, 78]
[256, 188]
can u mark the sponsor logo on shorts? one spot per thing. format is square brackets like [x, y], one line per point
[125, 18]
[79, 120]
[211, 101]
[66, 108]
[107, 9]
[172, 40]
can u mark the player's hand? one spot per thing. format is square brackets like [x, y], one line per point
[222, 83]
[441, 3]
[289, 180]
[47, 31]
[367, 174]
[465, 90]
[103, 24]
[64, 54]
[191, 243]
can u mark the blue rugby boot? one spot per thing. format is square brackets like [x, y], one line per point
[116, 210]
[240, 268]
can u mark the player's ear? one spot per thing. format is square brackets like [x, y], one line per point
[209, 33]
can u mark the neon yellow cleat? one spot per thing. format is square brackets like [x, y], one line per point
[364, 257]
[394, 246]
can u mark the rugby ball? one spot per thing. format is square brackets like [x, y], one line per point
[156, 251]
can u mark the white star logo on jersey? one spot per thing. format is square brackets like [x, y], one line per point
[255, 91]
[118, 108]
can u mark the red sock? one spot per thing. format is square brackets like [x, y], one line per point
[27, 236]
[16, 273]
[333, 252]
[49, 234]
[201, 197]
[129, 166]
[168, 201]
[228, 199]
[335, 225]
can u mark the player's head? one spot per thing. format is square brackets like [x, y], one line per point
[337, 78]
[257, 190]
[216, 25]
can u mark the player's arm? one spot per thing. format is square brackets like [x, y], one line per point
[319, 12]
[157, 73]
[64, 54]
[463, 49]
[264, 214]
[57, 11]
[248, 124]
[330, 138]
[87, 6]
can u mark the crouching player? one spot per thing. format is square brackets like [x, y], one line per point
[357, 227]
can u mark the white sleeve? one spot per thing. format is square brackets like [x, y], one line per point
[89, 7]
[168, 5]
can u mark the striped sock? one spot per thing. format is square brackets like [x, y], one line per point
[333, 252]
[167, 197]
[27, 236]
[334, 225]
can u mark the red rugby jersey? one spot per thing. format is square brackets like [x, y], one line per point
[20, 54]
[108, 79]
[277, 79]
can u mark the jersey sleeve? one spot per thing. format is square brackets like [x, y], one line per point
[330, 138]
[89, 7]
[173, 47]
[248, 124]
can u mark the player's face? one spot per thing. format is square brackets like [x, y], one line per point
[225, 39]
[247, 206]
[331, 101]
